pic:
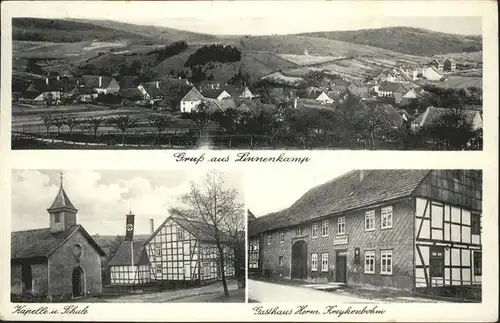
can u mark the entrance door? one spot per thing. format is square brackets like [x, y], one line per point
[27, 279]
[78, 282]
[299, 260]
[341, 267]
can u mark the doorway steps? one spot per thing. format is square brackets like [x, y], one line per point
[326, 287]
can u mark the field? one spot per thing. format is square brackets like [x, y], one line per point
[457, 82]
[309, 59]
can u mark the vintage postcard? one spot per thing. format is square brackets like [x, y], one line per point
[249, 161]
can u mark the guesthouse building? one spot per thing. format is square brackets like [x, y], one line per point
[412, 230]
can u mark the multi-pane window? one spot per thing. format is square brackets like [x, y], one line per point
[324, 261]
[298, 231]
[478, 266]
[280, 260]
[386, 262]
[341, 225]
[370, 220]
[386, 217]
[157, 249]
[158, 268]
[180, 234]
[269, 238]
[369, 262]
[475, 223]
[315, 230]
[324, 228]
[282, 236]
[437, 261]
[314, 262]
[57, 217]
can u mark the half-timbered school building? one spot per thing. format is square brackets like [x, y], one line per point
[179, 251]
[413, 230]
[185, 250]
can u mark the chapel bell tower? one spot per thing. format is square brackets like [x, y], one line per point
[62, 212]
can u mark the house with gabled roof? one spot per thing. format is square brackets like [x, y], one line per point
[101, 84]
[449, 65]
[191, 100]
[432, 73]
[216, 94]
[438, 63]
[407, 229]
[185, 250]
[60, 262]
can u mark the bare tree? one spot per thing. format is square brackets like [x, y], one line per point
[71, 122]
[222, 214]
[48, 121]
[58, 121]
[160, 122]
[95, 123]
[123, 123]
[200, 116]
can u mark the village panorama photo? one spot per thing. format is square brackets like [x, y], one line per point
[379, 236]
[390, 83]
[127, 236]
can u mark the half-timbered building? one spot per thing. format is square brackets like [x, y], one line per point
[185, 250]
[414, 230]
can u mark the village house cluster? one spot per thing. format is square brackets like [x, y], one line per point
[412, 230]
[65, 262]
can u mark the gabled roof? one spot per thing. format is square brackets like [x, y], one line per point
[62, 201]
[40, 85]
[42, 243]
[312, 104]
[432, 115]
[192, 95]
[123, 255]
[255, 106]
[152, 90]
[129, 82]
[93, 81]
[212, 94]
[131, 93]
[390, 87]
[345, 193]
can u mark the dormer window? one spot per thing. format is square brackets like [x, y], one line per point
[57, 217]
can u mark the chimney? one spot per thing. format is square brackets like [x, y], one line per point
[100, 81]
[361, 175]
[152, 225]
[47, 80]
[157, 84]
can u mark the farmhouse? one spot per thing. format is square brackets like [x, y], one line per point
[305, 104]
[449, 65]
[47, 90]
[59, 262]
[432, 115]
[431, 73]
[219, 94]
[151, 91]
[101, 84]
[387, 115]
[85, 94]
[191, 100]
[182, 250]
[438, 64]
[359, 89]
[247, 94]
[255, 107]
[130, 263]
[415, 230]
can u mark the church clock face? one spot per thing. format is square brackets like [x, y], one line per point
[130, 227]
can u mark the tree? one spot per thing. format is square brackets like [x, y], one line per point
[59, 121]
[71, 122]
[94, 123]
[200, 116]
[160, 122]
[453, 130]
[82, 125]
[220, 213]
[48, 121]
[123, 123]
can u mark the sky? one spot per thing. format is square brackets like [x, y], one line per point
[104, 197]
[271, 25]
[270, 190]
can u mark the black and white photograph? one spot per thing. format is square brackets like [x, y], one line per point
[366, 236]
[127, 236]
[103, 81]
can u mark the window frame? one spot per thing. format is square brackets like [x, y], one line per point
[158, 249]
[323, 267]
[475, 223]
[372, 255]
[480, 254]
[370, 215]
[298, 231]
[339, 223]
[280, 261]
[314, 262]
[282, 236]
[314, 229]
[382, 217]
[433, 259]
[323, 226]
[385, 252]
[57, 217]
[269, 238]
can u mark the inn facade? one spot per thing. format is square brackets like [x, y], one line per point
[413, 230]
